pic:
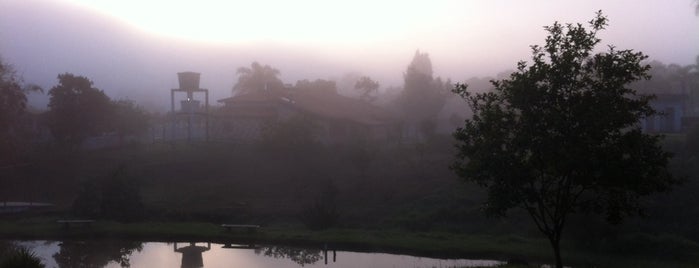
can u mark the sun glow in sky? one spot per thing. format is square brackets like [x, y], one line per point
[151, 40]
[464, 27]
[333, 22]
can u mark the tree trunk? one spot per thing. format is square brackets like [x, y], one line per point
[555, 240]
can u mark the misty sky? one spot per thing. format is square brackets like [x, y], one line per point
[133, 49]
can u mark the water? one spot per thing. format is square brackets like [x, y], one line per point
[185, 254]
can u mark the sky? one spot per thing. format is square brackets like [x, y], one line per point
[133, 49]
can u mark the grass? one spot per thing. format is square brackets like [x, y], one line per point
[642, 250]
[416, 204]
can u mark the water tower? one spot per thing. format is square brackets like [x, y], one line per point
[189, 107]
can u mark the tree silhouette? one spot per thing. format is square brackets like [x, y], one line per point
[129, 119]
[13, 104]
[77, 110]
[561, 135]
[319, 86]
[300, 256]
[367, 88]
[423, 97]
[97, 253]
[257, 78]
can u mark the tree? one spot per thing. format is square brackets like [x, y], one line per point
[77, 110]
[561, 135]
[13, 104]
[673, 79]
[114, 197]
[319, 86]
[91, 253]
[129, 119]
[423, 97]
[367, 88]
[257, 78]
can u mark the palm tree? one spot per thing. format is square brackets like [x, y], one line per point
[257, 78]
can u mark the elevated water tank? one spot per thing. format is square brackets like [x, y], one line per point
[188, 80]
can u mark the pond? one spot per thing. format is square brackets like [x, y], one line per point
[106, 253]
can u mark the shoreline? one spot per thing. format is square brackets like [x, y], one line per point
[422, 244]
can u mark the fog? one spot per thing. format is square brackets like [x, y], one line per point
[253, 125]
[133, 50]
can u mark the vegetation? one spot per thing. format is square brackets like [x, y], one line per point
[423, 96]
[363, 193]
[368, 89]
[20, 257]
[189, 189]
[115, 197]
[257, 78]
[128, 119]
[14, 128]
[96, 253]
[628, 251]
[77, 110]
[560, 136]
[322, 213]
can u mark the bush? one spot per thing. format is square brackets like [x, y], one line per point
[692, 141]
[116, 198]
[322, 213]
[87, 204]
[21, 258]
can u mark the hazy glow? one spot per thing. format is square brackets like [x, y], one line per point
[149, 41]
[277, 21]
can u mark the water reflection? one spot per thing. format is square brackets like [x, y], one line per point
[191, 254]
[239, 246]
[114, 254]
[302, 256]
[96, 254]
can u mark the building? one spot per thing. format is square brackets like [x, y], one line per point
[336, 118]
[672, 112]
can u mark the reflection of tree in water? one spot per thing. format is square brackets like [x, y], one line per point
[95, 253]
[301, 256]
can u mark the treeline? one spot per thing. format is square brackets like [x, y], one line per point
[77, 110]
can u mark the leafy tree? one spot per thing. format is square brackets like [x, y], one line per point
[257, 78]
[129, 119]
[13, 104]
[319, 86]
[121, 198]
[323, 212]
[368, 88]
[114, 197]
[423, 97]
[77, 110]
[96, 253]
[561, 135]
[302, 256]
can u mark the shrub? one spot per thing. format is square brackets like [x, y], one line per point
[21, 258]
[115, 197]
[322, 213]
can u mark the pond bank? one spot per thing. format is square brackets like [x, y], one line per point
[429, 244]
